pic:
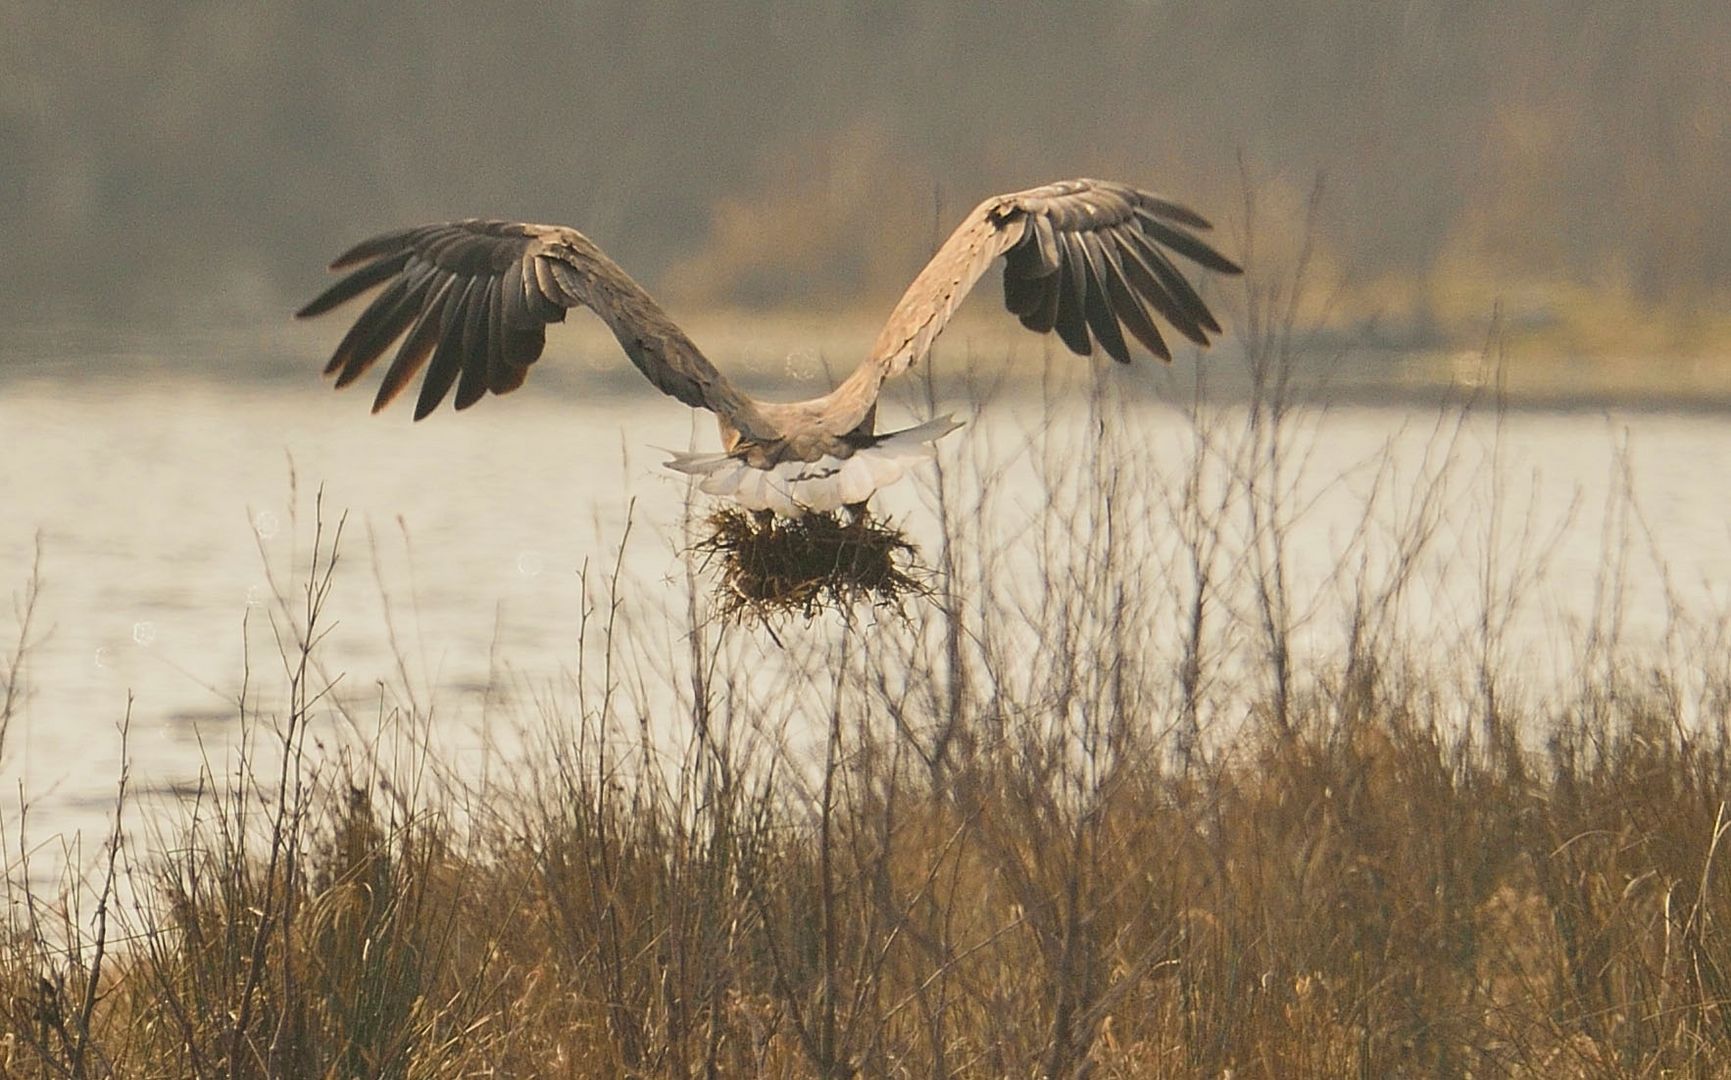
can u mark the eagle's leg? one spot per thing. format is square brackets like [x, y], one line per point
[863, 434]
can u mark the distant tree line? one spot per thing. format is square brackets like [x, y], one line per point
[204, 156]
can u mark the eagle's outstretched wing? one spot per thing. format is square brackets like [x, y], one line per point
[1087, 258]
[472, 299]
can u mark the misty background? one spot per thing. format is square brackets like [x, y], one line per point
[191, 163]
[175, 175]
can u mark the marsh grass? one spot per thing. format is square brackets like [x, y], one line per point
[13, 674]
[1130, 794]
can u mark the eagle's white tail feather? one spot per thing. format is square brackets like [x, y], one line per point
[793, 488]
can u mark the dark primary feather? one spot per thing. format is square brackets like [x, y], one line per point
[1072, 324]
[386, 317]
[1101, 319]
[470, 301]
[389, 243]
[1186, 245]
[374, 273]
[447, 361]
[1092, 263]
[498, 330]
[1022, 295]
[1128, 305]
[417, 345]
[442, 298]
[1171, 211]
[1044, 319]
[1043, 250]
[1174, 284]
[472, 386]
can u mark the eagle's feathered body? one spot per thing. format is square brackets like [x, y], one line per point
[471, 301]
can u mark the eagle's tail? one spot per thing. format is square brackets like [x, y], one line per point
[793, 488]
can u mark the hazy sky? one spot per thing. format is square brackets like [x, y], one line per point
[201, 160]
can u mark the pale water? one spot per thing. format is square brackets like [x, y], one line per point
[165, 505]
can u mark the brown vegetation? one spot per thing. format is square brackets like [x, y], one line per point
[1100, 812]
[966, 883]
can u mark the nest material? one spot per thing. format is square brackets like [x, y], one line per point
[774, 566]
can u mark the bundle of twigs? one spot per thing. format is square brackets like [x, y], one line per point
[774, 566]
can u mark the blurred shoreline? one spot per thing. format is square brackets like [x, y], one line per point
[789, 356]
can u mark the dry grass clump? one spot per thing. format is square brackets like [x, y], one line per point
[774, 566]
[1361, 895]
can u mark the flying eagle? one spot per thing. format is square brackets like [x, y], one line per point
[471, 300]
